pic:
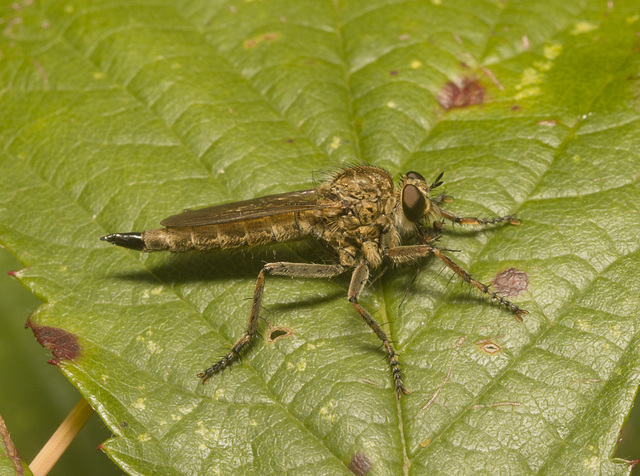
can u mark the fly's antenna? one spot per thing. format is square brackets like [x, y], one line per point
[437, 182]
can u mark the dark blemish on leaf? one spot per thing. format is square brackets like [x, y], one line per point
[8, 31]
[393, 72]
[493, 78]
[467, 93]
[497, 404]
[368, 382]
[62, 344]
[360, 464]
[426, 406]
[289, 141]
[591, 380]
[269, 36]
[264, 38]
[277, 333]
[489, 346]
[515, 107]
[42, 73]
[511, 282]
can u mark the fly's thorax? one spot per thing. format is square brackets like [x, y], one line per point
[365, 223]
[358, 183]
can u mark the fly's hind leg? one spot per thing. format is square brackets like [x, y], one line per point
[402, 254]
[294, 270]
[358, 281]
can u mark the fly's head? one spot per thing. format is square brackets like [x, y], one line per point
[414, 203]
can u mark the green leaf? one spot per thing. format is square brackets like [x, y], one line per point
[116, 115]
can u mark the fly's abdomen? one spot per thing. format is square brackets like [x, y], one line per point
[235, 234]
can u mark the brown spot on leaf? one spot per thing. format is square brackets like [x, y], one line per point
[62, 344]
[393, 72]
[489, 346]
[511, 282]
[466, 93]
[360, 464]
[368, 382]
[277, 333]
[269, 37]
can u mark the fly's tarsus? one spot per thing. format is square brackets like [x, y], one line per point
[293, 270]
[358, 280]
[403, 254]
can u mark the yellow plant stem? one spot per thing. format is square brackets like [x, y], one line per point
[61, 439]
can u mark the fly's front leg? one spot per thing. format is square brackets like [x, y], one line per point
[358, 280]
[477, 221]
[401, 254]
[294, 270]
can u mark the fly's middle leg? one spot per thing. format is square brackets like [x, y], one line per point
[402, 254]
[358, 281]
[477, 221]
[293, 270]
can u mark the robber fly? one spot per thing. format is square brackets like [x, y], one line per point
[359, 214]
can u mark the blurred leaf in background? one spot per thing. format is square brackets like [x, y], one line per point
[116, 115]
[34, 397]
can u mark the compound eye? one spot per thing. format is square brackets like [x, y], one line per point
[415, 175]
[413, 203]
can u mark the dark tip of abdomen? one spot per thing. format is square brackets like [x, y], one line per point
[126, 240]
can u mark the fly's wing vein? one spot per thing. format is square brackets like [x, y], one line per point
[260, 207]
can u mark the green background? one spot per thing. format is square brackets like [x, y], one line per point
[115, 115]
